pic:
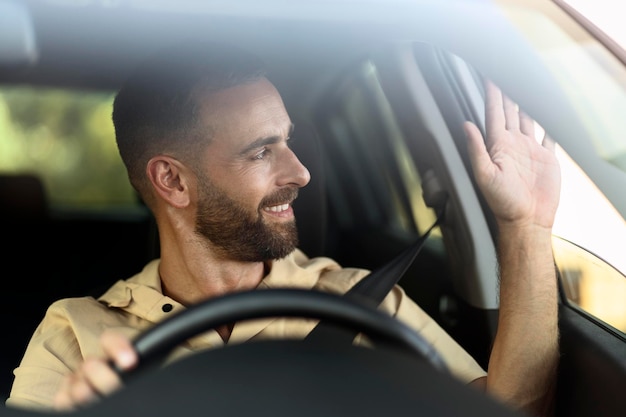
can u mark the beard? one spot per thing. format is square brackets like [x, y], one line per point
[239, 234]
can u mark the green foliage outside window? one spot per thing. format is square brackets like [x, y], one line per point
[67, 138]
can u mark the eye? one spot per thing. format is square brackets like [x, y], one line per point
[261, 154]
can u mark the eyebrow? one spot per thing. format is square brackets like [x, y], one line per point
[268, 140]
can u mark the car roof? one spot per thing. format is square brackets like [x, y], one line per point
[94, 44]
[306, 44]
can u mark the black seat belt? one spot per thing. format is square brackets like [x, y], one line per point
[374, 287]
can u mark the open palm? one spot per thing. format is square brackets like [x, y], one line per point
[519, 177]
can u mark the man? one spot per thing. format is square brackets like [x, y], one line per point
[204, 137]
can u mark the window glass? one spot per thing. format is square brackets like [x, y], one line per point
[67, 139]
[593, 79]
[586, 217]
[591, 284]
[589, 233]
[589, 237]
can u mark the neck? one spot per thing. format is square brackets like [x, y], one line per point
[189, 277]
[192, 270]
[190, 285]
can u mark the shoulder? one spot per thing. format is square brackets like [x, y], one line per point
[81, 320]
[74, 315]
[321, 273]
[70, 331]
[72, 308]
[59, 344]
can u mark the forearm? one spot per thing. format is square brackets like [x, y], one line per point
[522, 366]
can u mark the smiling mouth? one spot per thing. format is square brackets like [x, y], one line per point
[277, 209]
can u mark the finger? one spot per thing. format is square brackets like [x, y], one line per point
[81, 392]
[479, 157]
[63, 400]
[527, 125]
[95, 377]
[511, 114]
[494, 113]
[119, 348]
[548, 143]
[100, 378]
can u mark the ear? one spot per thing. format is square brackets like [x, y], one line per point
[170, 179]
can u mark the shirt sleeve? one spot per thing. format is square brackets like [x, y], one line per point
[68, 333]
[459, 362]
[51, 354]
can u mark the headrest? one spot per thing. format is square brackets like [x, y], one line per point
[22, 196]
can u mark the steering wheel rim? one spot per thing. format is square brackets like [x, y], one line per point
[154, 344]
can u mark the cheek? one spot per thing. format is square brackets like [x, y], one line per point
[248, 188]
[245, 183]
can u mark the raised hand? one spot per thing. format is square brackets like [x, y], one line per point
[519, 178]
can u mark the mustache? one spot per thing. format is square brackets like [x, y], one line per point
[284, 195]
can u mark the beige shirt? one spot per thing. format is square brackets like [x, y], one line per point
[71, 328]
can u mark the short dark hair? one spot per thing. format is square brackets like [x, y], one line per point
[156, 111]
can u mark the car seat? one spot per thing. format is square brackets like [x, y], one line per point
[22, 198]
[26, 258]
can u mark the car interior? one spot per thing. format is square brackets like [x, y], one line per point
[378, 109]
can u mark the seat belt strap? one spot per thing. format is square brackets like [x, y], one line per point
[373, 288]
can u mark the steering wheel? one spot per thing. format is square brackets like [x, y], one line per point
[402, 376]
[153, 345]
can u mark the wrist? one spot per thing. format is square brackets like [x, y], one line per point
[524, 227]
[520, 233]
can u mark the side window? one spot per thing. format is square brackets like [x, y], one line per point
[589, 237]
[66, 138]
[589, 234]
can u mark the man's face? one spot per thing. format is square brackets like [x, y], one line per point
[250, 177]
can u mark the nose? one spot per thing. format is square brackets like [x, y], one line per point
[294, 172]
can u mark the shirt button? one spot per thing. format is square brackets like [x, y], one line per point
[167, 307]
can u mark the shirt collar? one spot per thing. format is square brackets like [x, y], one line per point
[289, 272]
[142, 296]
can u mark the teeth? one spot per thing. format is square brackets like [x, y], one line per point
[277, 209]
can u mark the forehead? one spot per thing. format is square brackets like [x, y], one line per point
[245, 112]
